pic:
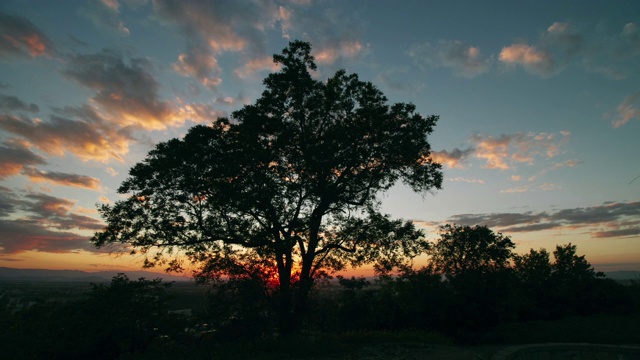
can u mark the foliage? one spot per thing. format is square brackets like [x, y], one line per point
[286, 185]
[464, 250]
[122, 317]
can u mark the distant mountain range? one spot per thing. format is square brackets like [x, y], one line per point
[102, 276]
[77, 275]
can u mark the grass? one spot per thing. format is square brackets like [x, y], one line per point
[373, 345]
[597, 329]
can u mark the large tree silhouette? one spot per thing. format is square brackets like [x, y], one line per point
[284, 190]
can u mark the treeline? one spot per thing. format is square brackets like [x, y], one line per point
[123, 317]
[472, 284]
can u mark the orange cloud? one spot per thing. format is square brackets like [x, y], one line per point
[89, 138]
[35, 45]
[15, 155]
[347, 49]
[502, 152]
[532, 59]
[21, 38]
[255, 65]
[627, 110]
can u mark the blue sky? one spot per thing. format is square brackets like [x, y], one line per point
[539, 105]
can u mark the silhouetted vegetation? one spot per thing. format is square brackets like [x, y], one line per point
[503, 298]
[285, 190]
[122, 317]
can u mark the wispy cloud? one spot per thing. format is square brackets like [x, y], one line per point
[509, 149]
[26, 234]
[506, 151]
[104, 14]
[453, 158]
[466, 180]
[81, 132]
[65, 179]
[127, 90]
[213, 28]
[329, 53]
[601, 50]
[628, 110]
[37, 221]
[22, 39]
[15, 155]
[335, 34]
[13, 104]
[615, 219]
[464, 60]
[256, 65]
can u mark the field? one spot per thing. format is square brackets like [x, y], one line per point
[20, 296]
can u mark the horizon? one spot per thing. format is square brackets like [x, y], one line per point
[538, 102]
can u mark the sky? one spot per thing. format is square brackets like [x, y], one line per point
[539, 106]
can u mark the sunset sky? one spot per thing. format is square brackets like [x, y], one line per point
[539, 105]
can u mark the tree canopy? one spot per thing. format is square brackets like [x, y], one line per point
[285, 188]
[465, 249]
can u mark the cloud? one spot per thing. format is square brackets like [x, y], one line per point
[568, 163]
[126, 102]
[498, 219]
[395, 78]
[8, 201]
[212, 28]
[509, 149]
[329, 53]
[22, 39]
[198, 113]
[517, 189]
[565, 36]
[617, 217]
[81, 132]
[608, 212]
[25, 234]
[533, 60]
[104, 14]
[44, 224]
[14, 156]
[631, 231]
[463, 59]
[452, 159]
[59, 178]
[628, 110]
[12, 104]
[47, 206]
[255, 65]
[199, 62]
[556, 47]
[335, 35]
[549, 187]
[462, 179]
[125, 89]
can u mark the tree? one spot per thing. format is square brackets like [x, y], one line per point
[534, 268]
[284, 191]
[570, 267]
[476, 262]
[463, 249]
